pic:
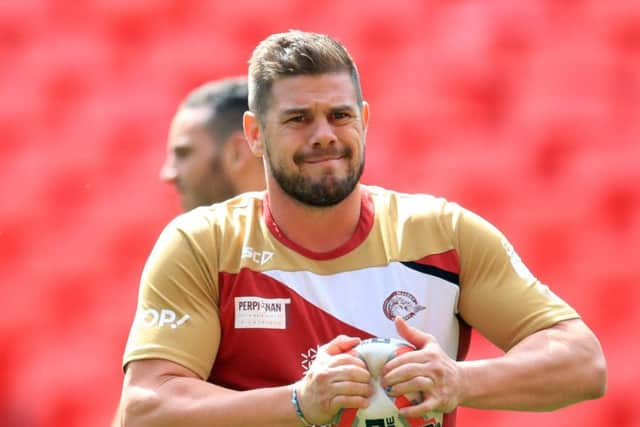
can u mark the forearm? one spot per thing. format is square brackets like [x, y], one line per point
[183, 401]
[161, 393]
[547, 370]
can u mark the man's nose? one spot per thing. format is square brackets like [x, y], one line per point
[168, 172]
[323, 134]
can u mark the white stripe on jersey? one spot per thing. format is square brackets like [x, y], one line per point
[347, 295]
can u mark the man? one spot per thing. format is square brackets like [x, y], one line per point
[208, 159]
[236, 298]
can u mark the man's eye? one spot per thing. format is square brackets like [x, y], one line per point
[296, 119]
[340, 115]
[181, 152]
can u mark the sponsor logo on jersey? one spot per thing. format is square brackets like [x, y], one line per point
[257, 312]
[163, 318]
[259, 257]
[402, 304]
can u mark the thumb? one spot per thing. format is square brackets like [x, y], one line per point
[413, 335]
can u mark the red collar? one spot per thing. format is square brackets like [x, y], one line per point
[365, 223]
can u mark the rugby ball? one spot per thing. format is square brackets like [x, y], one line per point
[383, 409]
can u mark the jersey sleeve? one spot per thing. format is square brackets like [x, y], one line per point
[499, 296]
[176, 316]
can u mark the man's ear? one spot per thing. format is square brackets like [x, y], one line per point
[236, 153]
[252, 133]
[366, 111]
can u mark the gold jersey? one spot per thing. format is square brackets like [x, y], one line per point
[226, 294]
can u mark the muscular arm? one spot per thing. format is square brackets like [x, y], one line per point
[549, 369]
[159, 393]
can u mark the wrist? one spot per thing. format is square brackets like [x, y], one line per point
[476, 382]
[297, 408]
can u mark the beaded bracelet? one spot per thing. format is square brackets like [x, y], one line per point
[296, 405]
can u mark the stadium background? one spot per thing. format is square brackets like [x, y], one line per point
[527, 112]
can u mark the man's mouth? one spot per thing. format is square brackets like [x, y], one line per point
[322, 159]
[326, 157]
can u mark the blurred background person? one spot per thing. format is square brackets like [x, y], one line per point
[208, 159]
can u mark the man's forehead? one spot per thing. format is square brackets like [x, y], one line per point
[189, 120]
[301, 92]
[189, 127]
[190, 116]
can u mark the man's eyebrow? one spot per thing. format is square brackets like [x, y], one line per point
[343, 107]
[181, 143]
[304, 110]
[294, 111]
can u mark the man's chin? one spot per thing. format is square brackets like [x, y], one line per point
[324, 195]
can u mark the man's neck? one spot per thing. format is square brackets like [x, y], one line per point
[315, 229]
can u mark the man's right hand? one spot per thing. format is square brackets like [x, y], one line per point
[335, 380]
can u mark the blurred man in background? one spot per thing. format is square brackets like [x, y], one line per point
[208, 159]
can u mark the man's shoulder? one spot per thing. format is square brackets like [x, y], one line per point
[237, 209]
[422, 203]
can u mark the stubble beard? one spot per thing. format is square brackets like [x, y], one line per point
[326, 192]
[217, 187]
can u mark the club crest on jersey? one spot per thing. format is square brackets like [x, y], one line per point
[402, 304]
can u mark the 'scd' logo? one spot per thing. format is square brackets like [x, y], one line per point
[402, 304]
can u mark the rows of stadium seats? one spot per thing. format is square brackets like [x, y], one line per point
[529, 115]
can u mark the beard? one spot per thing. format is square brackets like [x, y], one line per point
[221, 187]
[326, 192]
[213, 187]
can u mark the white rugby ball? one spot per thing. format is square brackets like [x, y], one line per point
[383, 409]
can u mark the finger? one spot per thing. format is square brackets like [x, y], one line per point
[348, 372]
[411, 357]
[430, 404]
[324, 361]
[344, 359]
[341, 344]
[350, 388]
[413, 335]
[340, 371]
[423, 384]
